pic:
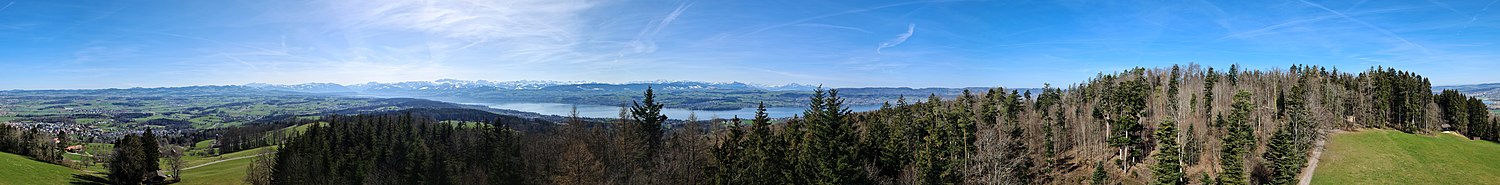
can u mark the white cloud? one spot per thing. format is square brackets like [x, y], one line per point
[910, 29]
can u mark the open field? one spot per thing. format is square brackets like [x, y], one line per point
[113, 110]
[227, 172]
[19, 170]
[1393, 157]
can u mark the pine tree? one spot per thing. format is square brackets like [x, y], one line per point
[764, 150]
[1285, 157]
[1126, 104]
[831, 137]
[647, 118]
[1172, 89]
[1168, 167]
[126, 166]
[1208, 92]
[732, 164]
[151, 152]
[1232, 155]
[1099, 177]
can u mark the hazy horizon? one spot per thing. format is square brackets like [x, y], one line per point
[123, 44]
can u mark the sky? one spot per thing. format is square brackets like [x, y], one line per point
[48, 44]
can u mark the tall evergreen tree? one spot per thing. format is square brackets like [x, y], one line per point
[1236, 144]
[1168, 168]
[151, 152]
[732, 166]
[647, 119]
[126, 166]
[831, 135]
[1192, 146]
[765, 150]
[1126, 105]
[1285, 158]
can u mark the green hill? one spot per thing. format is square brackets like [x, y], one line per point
[231, 170]
[1393, 157]
[18, 170]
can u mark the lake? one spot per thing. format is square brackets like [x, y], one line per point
[604, 111]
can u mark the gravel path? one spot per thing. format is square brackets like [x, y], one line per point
[1312, 161]
[221, 160]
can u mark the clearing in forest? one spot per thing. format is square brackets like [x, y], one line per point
[1394, 157]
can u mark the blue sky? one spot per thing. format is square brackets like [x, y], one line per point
[48, 44]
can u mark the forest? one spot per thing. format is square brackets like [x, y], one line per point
[1156, 126]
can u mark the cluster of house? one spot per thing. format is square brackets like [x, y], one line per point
[76, 130]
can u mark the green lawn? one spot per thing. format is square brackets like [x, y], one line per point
[1393, 157]
[227, 172]
[19, 170]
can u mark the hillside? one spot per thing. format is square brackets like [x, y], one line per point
[1393, 157]
[19, 170]
[225, 169]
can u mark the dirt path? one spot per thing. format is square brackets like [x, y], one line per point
[222, 160]
[1312, 160]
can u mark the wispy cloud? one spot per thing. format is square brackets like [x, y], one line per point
[528, 31]
[805, 20]
[1277, 28]
[645, 41]
[910, 29]
[816, 25]
[1477, 14]
[7, 6]
[1368, 25]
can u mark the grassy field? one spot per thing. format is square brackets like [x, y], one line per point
[227, 172]
[1393, 157]
[19, 170]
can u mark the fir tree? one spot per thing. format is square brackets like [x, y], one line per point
[647, 118]
[151, 152]
[126, 166]
[1099, 177]
[764, 150]
[1168, 167]
[1232, 155]
[1285, 158]
[831, 137]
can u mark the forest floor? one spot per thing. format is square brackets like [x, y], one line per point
[1377, 156]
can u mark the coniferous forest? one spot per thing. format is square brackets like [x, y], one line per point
[1177, 125]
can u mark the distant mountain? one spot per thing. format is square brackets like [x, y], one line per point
[453, 84]
[307, 87]
[1489, 91]
[675, 94]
